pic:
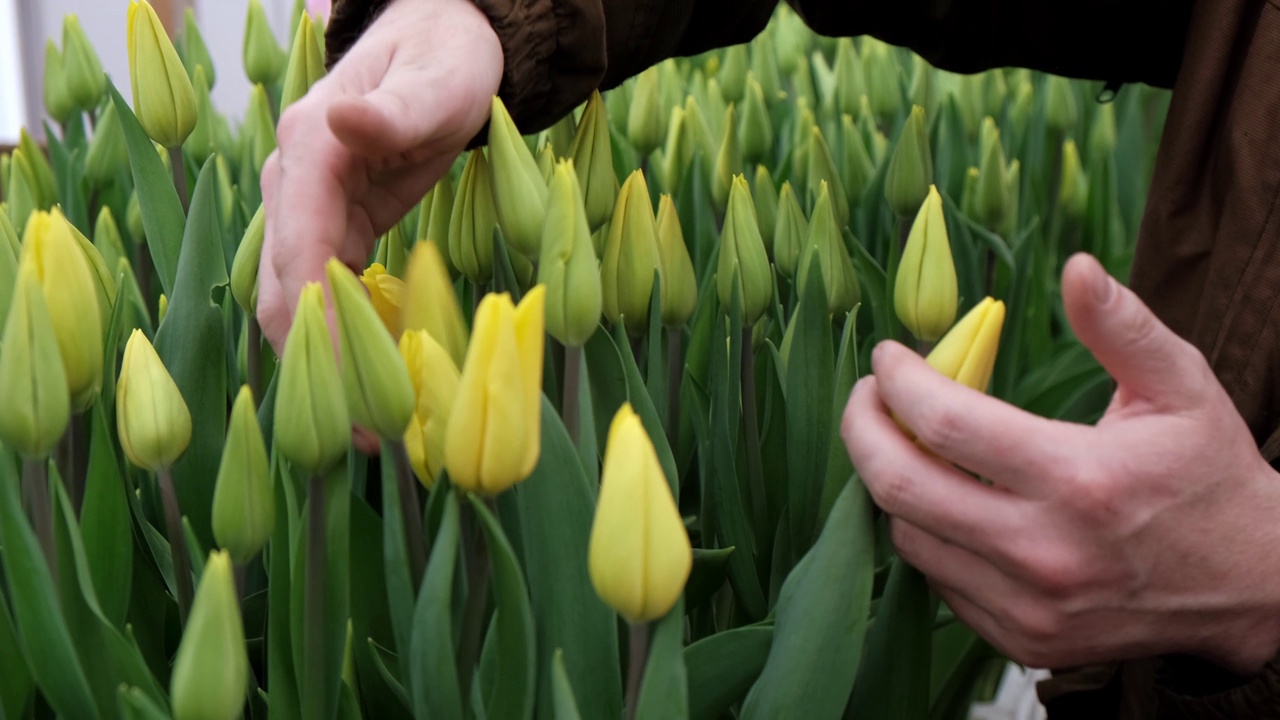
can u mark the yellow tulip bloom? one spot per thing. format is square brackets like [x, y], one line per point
[435, 385]
[967, 354]
[163, 97]
[925, 293]
[151, 417]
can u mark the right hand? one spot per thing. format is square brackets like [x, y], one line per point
[369, 140]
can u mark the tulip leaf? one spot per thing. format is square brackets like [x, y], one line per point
[722, 668]
[809, 391]
[17, 685]
[564, 706]
[664, 694]
[395, 559]
[513, 623]
[192, 343]
[569, 615]
[282, 677]
[162, 215]
[105, 522]
[45, 635]
[821, 619]
[430, 667]
[839, 466]
[955, 695]
[710, 569]
[893, 679]
[370, 613]
[135, 705]
[388, 667]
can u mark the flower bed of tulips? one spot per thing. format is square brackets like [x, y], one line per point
[606, 365]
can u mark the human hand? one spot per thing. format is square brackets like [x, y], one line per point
[369, 140]
[1153, 532]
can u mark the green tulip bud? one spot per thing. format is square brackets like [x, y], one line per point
[203, 140]
[9, 239]
[22, 191]
[560, 135]
[850, 83]
[757, 128]
[997, 92]
[263, 58]
[568, 266]
[473, 220]
[822, 169]
[244, 507]
[698, 140]
[108, 154]
[244, 269]
[859, 169]
[433, 221]
[1060, 111]
[211, 670]
[9, 255]
[794, 39]
[547, 163]
[883, 84]
[617, 107]
[670, 164]
[106, 237]
[969, 194]
[764, 65]
[133, 219]
[804, 126]
[32, 379]
[1073, 187]
[86, 82]
[743, 260]
[923, 90]
[728, 163]
[152, 419]
[631, 257]
[1023, 104]
[163, 97]
[647, 116]
[40, 171]
[1102, 134]
[312, 425]
[392, 252]
[791, 232]
[162, 308]
[679, 282]
[259, 130]
[57, 96]
[910, 172]
[824, 78]
[732, 77]
[766, 200]
[306, 64]
[195, 53]
[993, 182]
[802, 87]
[1014, 183]
[592, 155]
[519, 194]
[826, 240]
[925, 293]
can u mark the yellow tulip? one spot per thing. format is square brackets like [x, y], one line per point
[32, 381]
[639, 555]
[385, 292]
[163, 97]
[151, 417]
[211, 670]
[312, 425]
[494, 435]
[435, 385]
[926, 293]
[429, 302]
[967, 354]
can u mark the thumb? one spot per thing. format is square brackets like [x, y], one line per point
[407, 114]
[1144, 356]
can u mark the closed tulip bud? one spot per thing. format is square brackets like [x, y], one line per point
[1060, 111]
[263, 58]
[519, 193]
[162, 308]
[547, 163]
[757, 128]
[884, 87]
[790, 233]
[993, 182]
[1023, 104]
[386, 292]
[764, 65]
[435, 385]
[163, 97]
[1014, 183]
[647, 116]
[306, 64]
[108, 154]
[472, 222]
[699, 140]
[244, 269]
[1102, 134]
[732, 76]
[850, 83]
[568, 266]
[203, 140]
[57, 96]
[561, 135]
[923, 89]
[71, 295]
[669, 164]
[925, 293]
[639, 554]
[195, 53]
[39, 169]
[766, 200]
[312, 424]
[743, 261]
[433, 221]
[494, 435]
[211, 670]
[822, 169]
[22, 193]
[802, 85]
[824, 78]
[969, 195]
[592, 155]
[827, 242]
[86, 82]
[729, 163]
[32, 380]
[429, 302]
[104, 281]
[804, 126]
[152, 419]
[679, 282]
[1073, 187]
[631, 257]
[858, 168]
[133, 219]
[910, 172]
[997, 92]
[259, 129]
[244, 501]
[392, 252]
[9, 237]
[967, 354]
[378, 392]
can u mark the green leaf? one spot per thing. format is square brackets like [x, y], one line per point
[282, 675]
[954, 697]
[821, 619]
[395, 560]
[105, 523]
[710, 570]
[564, 706]
[839, 466]
[809, 389]
[513, 623]
[162, 216]
[370, 614]
[664, 694]
[135, 705]
[17, 685]
[893, 680]
[431, 669]
[389, 668]
[722, 668]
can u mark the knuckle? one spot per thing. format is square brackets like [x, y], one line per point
[892, 489]
[904, 541]
[1037, 627]
[1055, 573]
[942, 427]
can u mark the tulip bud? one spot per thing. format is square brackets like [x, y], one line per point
[163, 97]
[883, 84]
[152, 419]
[244, 269]
[32, 379]
[804, 126]
[647, 116]
[69, 287]
[1073, 188]
[969, 194]
[743, 260]
[162, 308]
[386, 292]
[306, 64]
[1060, 111]
[859, 170]
[473, 220]
[967, 354]
[925, 293]
[631, 257]
[108, 154]
[560, 136]
[378, 392]
[1021, 107]
[433, 221]
[910, 172]
[547, 163]
[259, 129]
[993, 183]
[203, 140]
[494, 435]
[263, 58]
[519, 194]
[592, 155]
[757, 127]
[790, 233]
[86, 82]
[133, 219]
[922, 91]
[822, 169]
[211, 670]
[568, 266]
[766, 200]
[802, 85]
[1014, 183]
[997, 91]
[22, 192]
[391, 252]
[435, 385]
[826, 240]
[825, 80]
[39, 170]
[639, 554]
[732, 77]
[244, 501]
[57, 96]
[764, 65]
[195, 53]
[1102, 134]
[698, 139]
[679, 282]
[312, 425]
[104, 281]
[669, 164]
[429, 302]
[728, 163]
[850, 83]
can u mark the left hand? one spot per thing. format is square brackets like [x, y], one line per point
[1155, 531]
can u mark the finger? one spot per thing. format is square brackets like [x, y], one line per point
[987, 436]
[1144, 356]
[951, 566]
[909, 483]
[403, 116]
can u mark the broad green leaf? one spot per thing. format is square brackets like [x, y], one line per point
[17, 685]
[388, 667]
[710, 570]
[564, 706]
[722, 668]
[370, 614]
[664, 694]
[513, 623]
[105, 523]
[135, 705]
[893, 679]
[401, 593]
[809, 389]
[431, 667]
[282, 673]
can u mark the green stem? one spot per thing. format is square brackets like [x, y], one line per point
[313, 644]
[638, 656]
[476, 556]
[751, 423]
[177, 542]
[572, 378]
[675, 374]
[411, 513]
[35, 481]
[180, 177]
[253, 357]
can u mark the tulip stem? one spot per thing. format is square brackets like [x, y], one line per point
[751, 423]
[313, 644]
[638, 656]
[572, 378]
[253, 357]
[476, 556]
[410, 511]
[177, 541]
[180, 177]
[35, 479]
[675, 373]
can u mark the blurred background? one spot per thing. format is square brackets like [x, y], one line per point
[26, 24]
